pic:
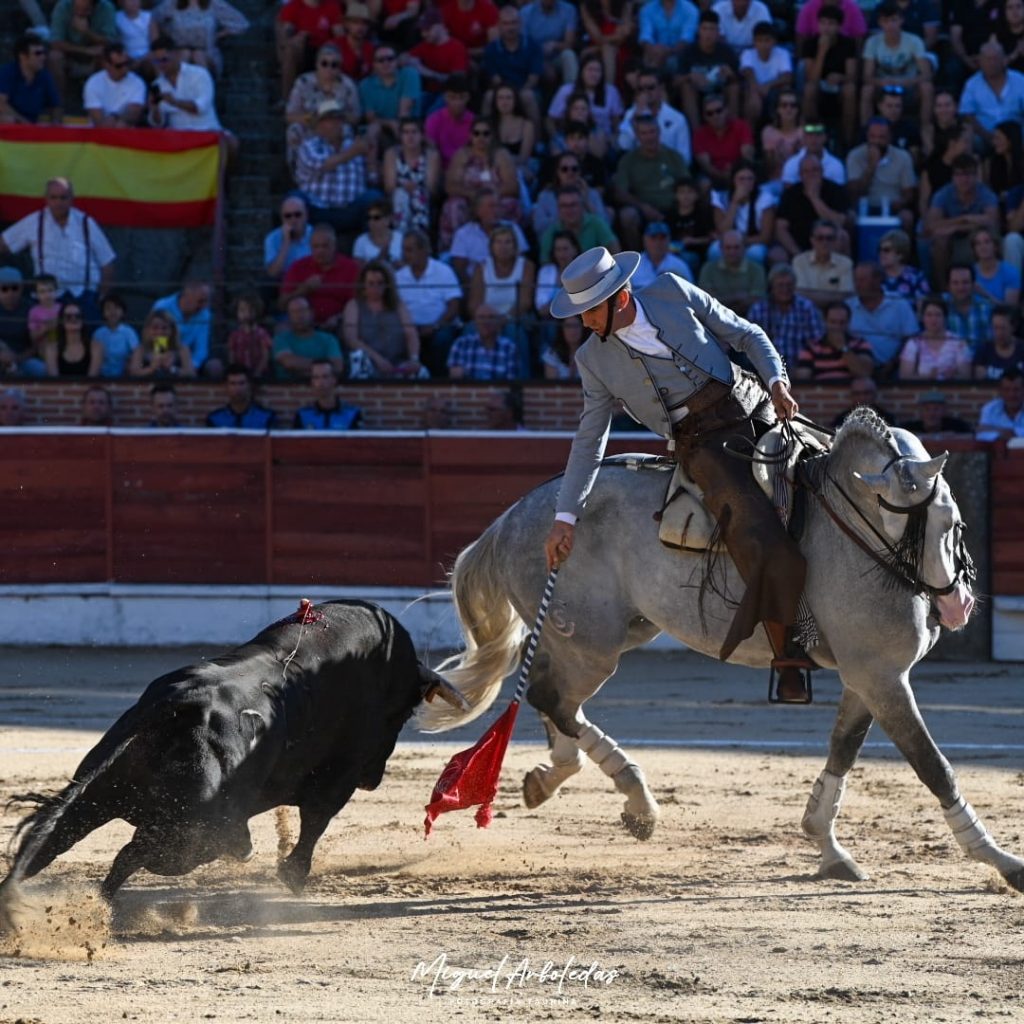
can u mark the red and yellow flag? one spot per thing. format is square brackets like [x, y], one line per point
[123, 177]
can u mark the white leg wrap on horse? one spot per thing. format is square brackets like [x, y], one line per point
[602, 750]
[823, 804]
[969, 832]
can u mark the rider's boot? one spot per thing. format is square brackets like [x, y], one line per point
[790, 668]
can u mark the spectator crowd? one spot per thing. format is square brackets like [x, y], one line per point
[848, 174]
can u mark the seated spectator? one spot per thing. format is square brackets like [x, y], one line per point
[790, 321]
[27, 89]
[471, 242]
[514, 130]
[512, 58]
[1004, 168]
[720, 143]
[667, 27]
[436, 57]
[190, 308]
[970, 315]
[733, 278]
[738, 18]
[948, 136]
[578, 112]
[473, 23]
[160, 352]
[354, 43]
[565, 247]
[300, 344]
[955, 211]
[379, 334]
[994, 278]
[1004, 352]
[645, 180]
[589, 229]
[884, 323]
[1013, 240]
[767, 69]
[304, 28]
[390, 94]
[553, 27]
[656, 258]
[933, 419]
[992, 94]
[331, 170]
[883, 174]
[481, 163]
[1010, 33]
[567, 170]
[1003, 417]
[163, 405]
[559, 358]
[97, 408]
[449, 126]
[133, 25]
[482, 352]
[115, 97]
[936, 353]
[197, 27]
[692, 223]
[290, 242]
[783, 136]
[608, 26]
[412, 178]
[430, 291]
[79, 29]
[241, 411]
[593, 169]
[605, 101]
[182, 97]
[67, 243]
[326, 411]
[324, 83]
[863, 391]
[249, 345]
[904, 133]
[44, 316]
[503, 410]
[813, 144]
[836, 355]
[505, 281]
[650, 99]
[18, 356]
[325, 277]
[709, 65]
[899, 280]
[802, 205]
[74, 353]
[381, 240]
[896, 57]
[745, 207]
[822, 274]
[119, 339]
[12, 407]
[829, 58]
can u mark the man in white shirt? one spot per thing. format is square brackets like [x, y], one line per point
[182, 96]
[736, 21]
[650, 99]
[115, 97]
[814, 144]
[656, 258]
[68, 244]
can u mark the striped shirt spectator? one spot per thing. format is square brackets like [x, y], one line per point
[790, 321]
[331, 166]
[484, 353]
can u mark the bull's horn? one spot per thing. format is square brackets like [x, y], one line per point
[449, 695]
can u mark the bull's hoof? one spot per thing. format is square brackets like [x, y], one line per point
[293, 876]
[640, 827]
[842, 871]
[1015, 879]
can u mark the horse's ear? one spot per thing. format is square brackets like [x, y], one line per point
[932, 468]
[873, 481]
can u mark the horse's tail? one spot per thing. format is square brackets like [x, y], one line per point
[493, 633]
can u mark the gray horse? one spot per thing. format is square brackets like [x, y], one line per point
[887, 568]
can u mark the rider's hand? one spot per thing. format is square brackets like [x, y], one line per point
[558, 546]
[785, 404]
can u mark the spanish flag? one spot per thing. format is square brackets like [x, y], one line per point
[123, 177]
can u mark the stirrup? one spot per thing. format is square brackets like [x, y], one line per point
[800, 664]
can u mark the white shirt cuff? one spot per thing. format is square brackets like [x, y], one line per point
[566, 517]
[771, 383]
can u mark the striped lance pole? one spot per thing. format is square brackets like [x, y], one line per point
[531, 647]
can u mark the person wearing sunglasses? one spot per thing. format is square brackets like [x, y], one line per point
[115, 97]
[390, 93]
[74, 352]
[182, 97]
[302, 29]
[27, 89]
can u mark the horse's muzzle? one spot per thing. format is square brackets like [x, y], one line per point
[955, 607]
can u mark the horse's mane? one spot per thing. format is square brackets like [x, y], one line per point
[864, 422]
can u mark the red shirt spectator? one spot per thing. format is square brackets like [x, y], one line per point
[470, 22]
[326, 278]
[722, 147]
[319, 21]
[439, 55]
[355, 46]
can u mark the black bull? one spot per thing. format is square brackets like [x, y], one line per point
[303, 714]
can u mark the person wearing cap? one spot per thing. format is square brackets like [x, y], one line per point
[662, 353]
[657, 259]
[814, 139]
[932, 417]
[354, 44]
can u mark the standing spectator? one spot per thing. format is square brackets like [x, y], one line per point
[437, 57]
[899, 279]
[449, 127]
[657, 259]
[115, 97]
[73, 353]
[933, 419]
[12, 407]
[381, 240]
[66, 243]
[1004, 352]
[738, 19]
[822, 274]
[412, 178]
[650, 99]
[565, 247]
[708, 66]
[767, 69]
[734, 279]
[473, 23]
[588, 229]
[300, 344]
[552, 26]
[240, 411]
[249, 345]
[160, 352]
[327, 411]
[1003, 417]
[747, 208]
[830, 70]
[163, 406]
[17, 353]
[993, 94]
[182, 97]
[884, 323]
[325, 277]
[936, 353]
[27, 89]
[511, 58]
[290, 242]
[811, 199]
[782, 137]
[190, 309]
[720, 142]
[79, 29]
[44, 316]
[133, 29]
[197, 27]
[430, 291]
[667, 27]
[390, 93]
[789, 320]
[883, 174]
[97, 408]
[896, 58]
[970, 315]
[331, 170]
[994, 278]
[119, 339]
[304, 28]
[482, 352]
[837, 355]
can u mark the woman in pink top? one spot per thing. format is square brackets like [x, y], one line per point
[935, 354]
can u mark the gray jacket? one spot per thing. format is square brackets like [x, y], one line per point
[696, 328]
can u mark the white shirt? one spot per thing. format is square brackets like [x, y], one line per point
[427, 297]
[195, 84]
[764, 201]
[778, 63]
[366, 249]
[740, 34]
[675, 131]
[134, 33]
[110, 97]
[64, 250]
[831, 168]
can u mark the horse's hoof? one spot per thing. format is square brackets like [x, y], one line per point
[842, 871]
[1016, 879]
[641, 828]
[534, 792]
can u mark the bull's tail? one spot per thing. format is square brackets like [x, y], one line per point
[493, 633]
